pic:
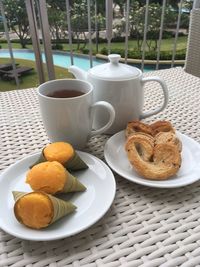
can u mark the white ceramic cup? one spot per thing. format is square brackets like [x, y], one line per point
[70, 119]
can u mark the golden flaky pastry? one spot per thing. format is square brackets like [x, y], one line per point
[152, 129]
[161, 126]
[153, 150]
[144, 145]
[165, 159]
[137, 126]
[168, 137]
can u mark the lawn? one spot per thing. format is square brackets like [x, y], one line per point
[31, 79]
[166, 45]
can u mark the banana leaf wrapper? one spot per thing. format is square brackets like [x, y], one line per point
[61, 208]
[73, 164]
[73, 185]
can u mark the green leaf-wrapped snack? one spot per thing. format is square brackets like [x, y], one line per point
[38, 210]
[65, 154]
[52, 178]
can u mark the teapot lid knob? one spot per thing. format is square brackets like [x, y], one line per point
[114, 58]
[113, 71]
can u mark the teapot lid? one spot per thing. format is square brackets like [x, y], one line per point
[114, 70]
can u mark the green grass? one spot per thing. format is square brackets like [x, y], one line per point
[166, 45]
[14, 46]
[29, 80]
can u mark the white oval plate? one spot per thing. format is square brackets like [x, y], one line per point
[189, 172]
[91, 204]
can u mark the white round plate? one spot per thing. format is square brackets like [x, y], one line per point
[189, 172]
[91, 204]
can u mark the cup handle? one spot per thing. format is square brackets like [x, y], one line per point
[111, 112]
[165, 92]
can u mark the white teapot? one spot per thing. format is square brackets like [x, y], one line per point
[122, 86]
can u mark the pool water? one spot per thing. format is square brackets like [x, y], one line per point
[60, 59]
[63, 59]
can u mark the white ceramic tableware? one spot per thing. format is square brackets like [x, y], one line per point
[122, 86]
[91, 204]
[70, 119]
[189, 172]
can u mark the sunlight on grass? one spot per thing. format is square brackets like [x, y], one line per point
[29, 80]
[166, 45]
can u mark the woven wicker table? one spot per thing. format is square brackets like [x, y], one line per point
[144, 226]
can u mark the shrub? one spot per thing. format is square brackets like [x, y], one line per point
[57, 46]
[151, 55]
[167, 35]
[85, 50]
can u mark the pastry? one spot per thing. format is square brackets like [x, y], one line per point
[144, 145]
[168, 137]
[164, 163]
[51, 177]
[152, 129]
[161, 126]
[64, 153]
[137, 126]
[154, 150]
[38, 210]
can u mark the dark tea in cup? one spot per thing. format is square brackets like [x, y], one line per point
[65, 93]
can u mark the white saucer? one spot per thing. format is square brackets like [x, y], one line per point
[189, 172]
[91, 204]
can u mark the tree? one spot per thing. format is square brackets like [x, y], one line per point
[57, 21]
[16, 15]
[1, 25]
[98, 23]
[137, 15]
[79, 21]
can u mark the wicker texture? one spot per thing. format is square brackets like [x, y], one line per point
[144, 226]
[192, 63]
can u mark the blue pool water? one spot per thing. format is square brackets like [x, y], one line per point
[59, 59]
[63, 59]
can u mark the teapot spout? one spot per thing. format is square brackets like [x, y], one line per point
[78, 73]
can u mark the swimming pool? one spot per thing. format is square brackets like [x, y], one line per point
[62, 59]
[59, 58]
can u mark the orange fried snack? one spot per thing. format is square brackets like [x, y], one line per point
[38, 210]
[52, 178]
[64, 153]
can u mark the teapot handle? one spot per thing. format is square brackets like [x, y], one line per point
[165, 93]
